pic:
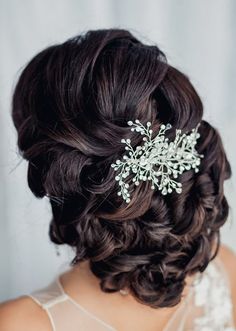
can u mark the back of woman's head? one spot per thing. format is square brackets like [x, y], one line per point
[71, 106]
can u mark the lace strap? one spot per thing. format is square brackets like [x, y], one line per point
[47, 310]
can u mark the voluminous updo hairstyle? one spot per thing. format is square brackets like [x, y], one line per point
[70, 107]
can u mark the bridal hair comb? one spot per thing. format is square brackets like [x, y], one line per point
[157, 160]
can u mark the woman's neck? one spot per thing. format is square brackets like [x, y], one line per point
[115, 309]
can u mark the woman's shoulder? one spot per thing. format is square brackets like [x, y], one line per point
[23, 314]
[228, 258]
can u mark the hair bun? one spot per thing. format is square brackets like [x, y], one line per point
[70, 108]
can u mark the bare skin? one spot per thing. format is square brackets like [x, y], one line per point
[23, 314]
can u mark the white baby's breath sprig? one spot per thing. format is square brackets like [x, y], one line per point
[157, 160]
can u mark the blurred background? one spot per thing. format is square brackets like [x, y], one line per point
[198, 37]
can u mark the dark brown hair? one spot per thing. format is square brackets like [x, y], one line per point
[70, 107]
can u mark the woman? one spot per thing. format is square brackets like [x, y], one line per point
[115, 139]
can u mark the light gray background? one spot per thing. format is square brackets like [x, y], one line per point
[198, 36]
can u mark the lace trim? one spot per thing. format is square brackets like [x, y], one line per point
[209, 297]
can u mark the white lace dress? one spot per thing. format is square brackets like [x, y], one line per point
[207, 306]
